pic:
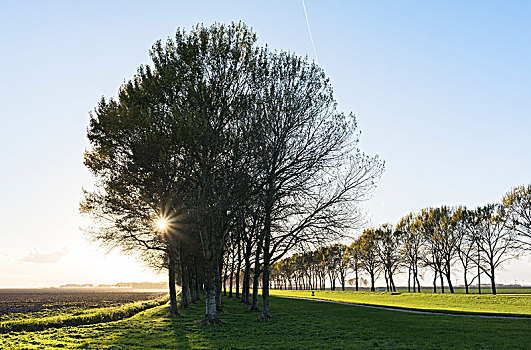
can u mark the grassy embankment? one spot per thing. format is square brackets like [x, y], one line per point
[297, 324]
[471, 290]
[73, 316]
[518, 305]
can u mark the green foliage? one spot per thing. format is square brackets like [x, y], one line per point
[298, 324]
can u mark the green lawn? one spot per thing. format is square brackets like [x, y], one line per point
[472, 290]
[489, 304]
[297, 324]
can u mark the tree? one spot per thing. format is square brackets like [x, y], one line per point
[497, 243]
[339, 253]
[518, 204]
[368, 255]
[312, 171]
[177, 137]
[243, 144]
[137, 175]
[354, 259]
[465, 233]
[443, 221]
[412, 249]
[387, 245]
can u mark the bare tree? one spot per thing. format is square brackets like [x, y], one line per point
[497, 243]
[518, 204]
[387, 245]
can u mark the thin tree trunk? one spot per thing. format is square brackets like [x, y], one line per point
[246, 291]
[409, 280]
[441, 278]
[450, 283]
[256, 277]
[185, 282]
[492, 282]
[357, 281]
[231, 275]
[479, 274]
[238, 271]
[171, 283]
[193, 285]
[219, 296]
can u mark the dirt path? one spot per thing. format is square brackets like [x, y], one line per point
[411, 311]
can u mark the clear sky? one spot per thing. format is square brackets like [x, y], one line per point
[442, 92]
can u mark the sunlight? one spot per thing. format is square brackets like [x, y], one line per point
[161, 224]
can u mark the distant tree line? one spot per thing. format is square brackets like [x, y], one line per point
[219, 159]
[441, 240]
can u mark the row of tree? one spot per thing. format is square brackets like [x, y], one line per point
[440, 240]
[221, 157]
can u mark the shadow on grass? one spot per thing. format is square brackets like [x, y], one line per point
[300, 324]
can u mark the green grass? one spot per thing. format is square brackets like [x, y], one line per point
[456, 303]
[472, 290]
[76, 316]
[297, 324]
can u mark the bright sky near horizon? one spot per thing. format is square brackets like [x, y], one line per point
[441, 90]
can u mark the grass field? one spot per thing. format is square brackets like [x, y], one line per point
[17, 304]
[473, 290]
[297, 324]
[39, 309]
[489, 304]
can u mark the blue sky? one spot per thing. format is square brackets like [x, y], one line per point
[441, 91]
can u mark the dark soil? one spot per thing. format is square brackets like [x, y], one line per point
[34, 300]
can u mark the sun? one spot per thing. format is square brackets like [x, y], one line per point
[161, 224]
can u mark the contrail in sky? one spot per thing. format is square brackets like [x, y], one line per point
[310, 32]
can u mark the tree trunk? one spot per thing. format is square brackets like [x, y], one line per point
[185, 282]
[246, 290]
[409, 280]
[219, 296]
[193, 285]
[342, 282]
[372, 282]
[449, 282]
[224, 284]
[357, 282]
[479, 274]
[238, 271]
[171, 283]
[441, 278]
[416, 275]
[466, 282]
[256, 277]
[211, 316]
[266, 315]
[392, 283]
[492, 282]
[231, 275]
[435, 282]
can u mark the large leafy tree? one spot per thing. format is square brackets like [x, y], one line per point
[175, 141]
[231, 145]
[368, 255]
